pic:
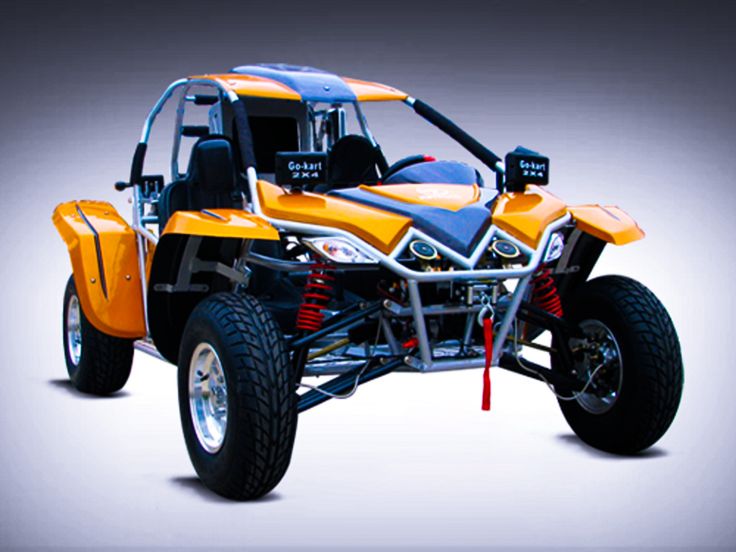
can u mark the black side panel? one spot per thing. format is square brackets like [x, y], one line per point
[168, 311]
[585, 253]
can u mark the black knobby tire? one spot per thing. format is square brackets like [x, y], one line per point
[104, 364]
[652, 378]
[261, 396]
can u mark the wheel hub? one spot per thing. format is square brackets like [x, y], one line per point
[74, 330]
[208, 397]
[600, 364]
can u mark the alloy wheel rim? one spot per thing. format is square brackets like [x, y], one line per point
[74, 330]
[208, 397]
[602, 360]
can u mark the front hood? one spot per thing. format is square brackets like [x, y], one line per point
[456, 215]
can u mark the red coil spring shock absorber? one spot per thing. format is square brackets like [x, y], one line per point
[317, 294]
[544, 292]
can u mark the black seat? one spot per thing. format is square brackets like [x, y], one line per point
[210, 182]
[351, 161]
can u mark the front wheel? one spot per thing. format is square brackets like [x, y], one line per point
[629, 356]
[237, 397]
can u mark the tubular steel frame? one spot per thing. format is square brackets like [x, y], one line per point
[417, 311]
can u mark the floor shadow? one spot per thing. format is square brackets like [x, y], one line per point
[193, 484]
[574, 441]
[66, 385]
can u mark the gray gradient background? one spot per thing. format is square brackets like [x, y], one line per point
[633, 102]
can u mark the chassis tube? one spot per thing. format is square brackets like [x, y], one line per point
[535, 371]
[420, 326]
[344, 383]
[333, 327]
[509, 317]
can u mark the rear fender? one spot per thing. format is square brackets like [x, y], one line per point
[103, 252]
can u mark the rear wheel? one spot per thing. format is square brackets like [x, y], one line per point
[237, 397]
[630, 358]
[97, 363]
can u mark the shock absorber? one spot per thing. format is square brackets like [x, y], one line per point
[317, 294]
[544, 292]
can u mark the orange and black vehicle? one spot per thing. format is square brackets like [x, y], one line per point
[292, 246]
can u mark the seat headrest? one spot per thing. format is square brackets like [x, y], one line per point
[352, 160]
[211, 167]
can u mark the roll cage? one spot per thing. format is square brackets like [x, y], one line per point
[333, 115]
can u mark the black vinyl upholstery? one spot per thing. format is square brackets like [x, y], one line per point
[436, 172]
[210, 182]
[351, 161]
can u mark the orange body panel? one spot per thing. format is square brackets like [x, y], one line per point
[248, 85]
[446, 196]
[608, 223]
[110, 294]
[381, 229]
[373, 91]
[232, 223]
[525, 215]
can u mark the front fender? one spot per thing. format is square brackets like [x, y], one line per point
[608, 223]
[220, 223]
[176, 285]
[102, 248]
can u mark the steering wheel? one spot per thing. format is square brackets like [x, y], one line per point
[405, 162]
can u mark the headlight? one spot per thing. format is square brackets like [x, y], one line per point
[555, 247]
[338, 250]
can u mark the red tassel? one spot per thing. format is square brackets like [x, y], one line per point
[488, 337]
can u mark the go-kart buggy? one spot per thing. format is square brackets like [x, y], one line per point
[291, 248]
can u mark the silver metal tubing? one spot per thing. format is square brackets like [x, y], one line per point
[147, 347]
[410, 101]
[298, 266]
[508, 318]
[425, 351]
[156, 109]
[389, 335]
[141, 247]
[146, 234]
[390, 262]
[468, 333]
[449, 365]
[431, 310]
[332, 368]
[149, 219]
[363, 122]
[177, 134]
[252, 176]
